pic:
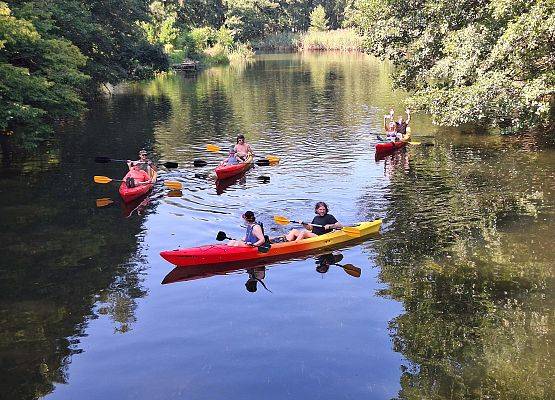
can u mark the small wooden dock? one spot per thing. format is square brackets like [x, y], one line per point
[187, 65]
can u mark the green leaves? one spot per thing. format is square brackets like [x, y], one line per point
[485, 63]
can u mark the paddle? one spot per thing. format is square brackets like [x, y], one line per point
[213, 148]
[104, 160]
[412, 142]
[174, 185]
[261, 249]
[261, 163]
[103, 202]
[349, 230]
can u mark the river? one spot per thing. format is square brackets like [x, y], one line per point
[455, 296]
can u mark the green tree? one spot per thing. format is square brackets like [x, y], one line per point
[318, 20]
[40, 80]
[486, 63]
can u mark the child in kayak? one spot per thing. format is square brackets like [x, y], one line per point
[136, 176]
[233, 158]
[326, 221]
[254, 235]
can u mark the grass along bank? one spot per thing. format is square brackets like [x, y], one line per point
[339, 39]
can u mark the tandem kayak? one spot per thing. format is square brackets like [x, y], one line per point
[227, 171]
[389, 147]
[130, 194]
[217, 254]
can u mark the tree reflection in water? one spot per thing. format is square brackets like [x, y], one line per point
[460, 252]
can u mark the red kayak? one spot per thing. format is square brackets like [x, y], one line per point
[389, 147]
[385, 148]
[130, 194]
[227, 171]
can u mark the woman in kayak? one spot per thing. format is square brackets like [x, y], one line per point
[242, 148]
[144, 163]
[233, 158]
[322, 223]
[136, 176]
[390, 126]
[254, 235]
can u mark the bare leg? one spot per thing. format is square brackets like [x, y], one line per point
[292, 235]
[237, 243]
[304, 235]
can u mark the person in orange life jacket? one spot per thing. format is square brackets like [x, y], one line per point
[401, 125]
[254, 235]
[242, 148]
[233, 158]
[144, 163]
[328, 222]
[136, 176]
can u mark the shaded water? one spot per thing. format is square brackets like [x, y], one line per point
[455, 298]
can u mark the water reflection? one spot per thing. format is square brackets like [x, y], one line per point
[255, 270]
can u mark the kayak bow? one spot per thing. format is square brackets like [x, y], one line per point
[227, 171]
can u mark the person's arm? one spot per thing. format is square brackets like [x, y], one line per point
[152, 165]
[129, 164]
[408, 116]
[334, 225]
[249, 150]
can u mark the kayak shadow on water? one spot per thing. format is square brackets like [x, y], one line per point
[223, 184]
[256, 270]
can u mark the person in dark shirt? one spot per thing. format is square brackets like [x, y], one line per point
[321, 223]
[401, 125]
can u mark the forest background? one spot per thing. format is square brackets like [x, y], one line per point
[487, 64]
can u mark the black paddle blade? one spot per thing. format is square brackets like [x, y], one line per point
[199, 163]
[221, 236]
[428, 144]
[262, 163]
[102, 160]
[170, 164]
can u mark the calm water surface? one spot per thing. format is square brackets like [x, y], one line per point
[455, 298]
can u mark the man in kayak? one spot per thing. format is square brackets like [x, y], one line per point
[144, 163]
[136, 176]
[254, 235]
[321, 223]
[242, 148]
[401, 125]
[233, 158]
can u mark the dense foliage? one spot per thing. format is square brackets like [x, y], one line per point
[487, 62]
[55, 54]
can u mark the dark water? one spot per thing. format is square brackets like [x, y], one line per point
[455, 298]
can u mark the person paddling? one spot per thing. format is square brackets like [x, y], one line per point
[144, 163]
[136, 176]
[326, 221]
[242, 148]
[254, 235]
[233, 158]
